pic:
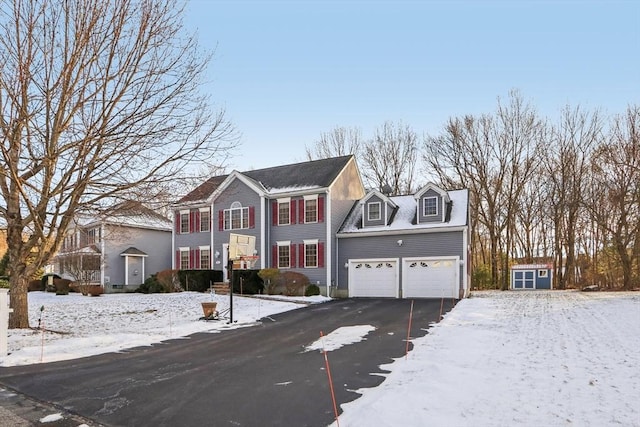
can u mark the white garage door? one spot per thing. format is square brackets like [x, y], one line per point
[373, 278]
[430, 278]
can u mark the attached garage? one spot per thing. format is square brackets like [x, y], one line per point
[430, 277]
[374, 278]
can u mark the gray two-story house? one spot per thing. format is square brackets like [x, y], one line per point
[118, 249]
[316, 218]
[293, 211]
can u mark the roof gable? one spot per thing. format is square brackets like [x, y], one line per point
[380, 195]
[432, 186]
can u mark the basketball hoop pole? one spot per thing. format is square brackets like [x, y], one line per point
[230, 273]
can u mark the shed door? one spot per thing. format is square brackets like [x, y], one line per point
[373, 278]
[523, 279]
[430, 278]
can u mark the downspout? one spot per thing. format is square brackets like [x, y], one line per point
[173, 242]
[263, 230]
[102, 255]
[330, 236]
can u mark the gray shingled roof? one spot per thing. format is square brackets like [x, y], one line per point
[315, 173]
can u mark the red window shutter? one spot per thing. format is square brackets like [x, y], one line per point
[177, 217]
[196, 262]
[320, 255]
[301, 255]
[196, 226]
[292, 255]
[292, 213]
[191, 258]
[301, 211]
[191, 221]
[252, 217]
[274, 256]
[220, 220]
[320, 209]
[177, 260]
[274, 212]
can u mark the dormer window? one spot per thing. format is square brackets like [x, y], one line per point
[430, 206]
[373, 209]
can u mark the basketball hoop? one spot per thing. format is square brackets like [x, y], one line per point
[248, 262]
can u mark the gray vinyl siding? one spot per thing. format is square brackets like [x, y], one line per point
[155, 243]
[296, 234]
[237, 191]
[448, 243]
[196, 238]
[436, 218]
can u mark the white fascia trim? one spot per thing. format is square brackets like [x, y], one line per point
[401, 232]
[299, 193]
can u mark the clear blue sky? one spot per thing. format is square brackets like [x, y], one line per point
[286, 71]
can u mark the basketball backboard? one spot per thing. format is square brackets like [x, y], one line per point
[241, 245]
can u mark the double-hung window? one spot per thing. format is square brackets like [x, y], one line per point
[284, 211]
[430, 207]
[184, 259]
[310, 253]
[284, 254]
[311, 209]
[184, 222]
[205, 219]
[205, 257]
[374, 211]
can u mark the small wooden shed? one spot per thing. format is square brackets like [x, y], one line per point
[531, 276]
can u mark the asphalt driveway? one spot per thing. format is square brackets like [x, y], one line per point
[254, 376]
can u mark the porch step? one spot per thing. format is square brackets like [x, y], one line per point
[221, 288]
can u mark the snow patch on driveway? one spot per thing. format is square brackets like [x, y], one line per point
[340, 337]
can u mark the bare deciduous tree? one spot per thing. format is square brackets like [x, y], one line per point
[566, 169]
[616, 168]
[99, 100]
[494, 156]
[340, 141]
[389, 159]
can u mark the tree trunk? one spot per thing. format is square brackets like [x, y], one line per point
[19, 319]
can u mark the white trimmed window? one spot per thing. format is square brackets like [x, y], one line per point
[373, 209]
[310, 253]
[311, 209]
[284, 211]
[184, 259]
[284, 254]
[205, 219]
[205, 258]
[430, 206]
[236, 217]
[184, 222]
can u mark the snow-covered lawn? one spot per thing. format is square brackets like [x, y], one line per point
[516, 359]
[497, 359]
[84, 326]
